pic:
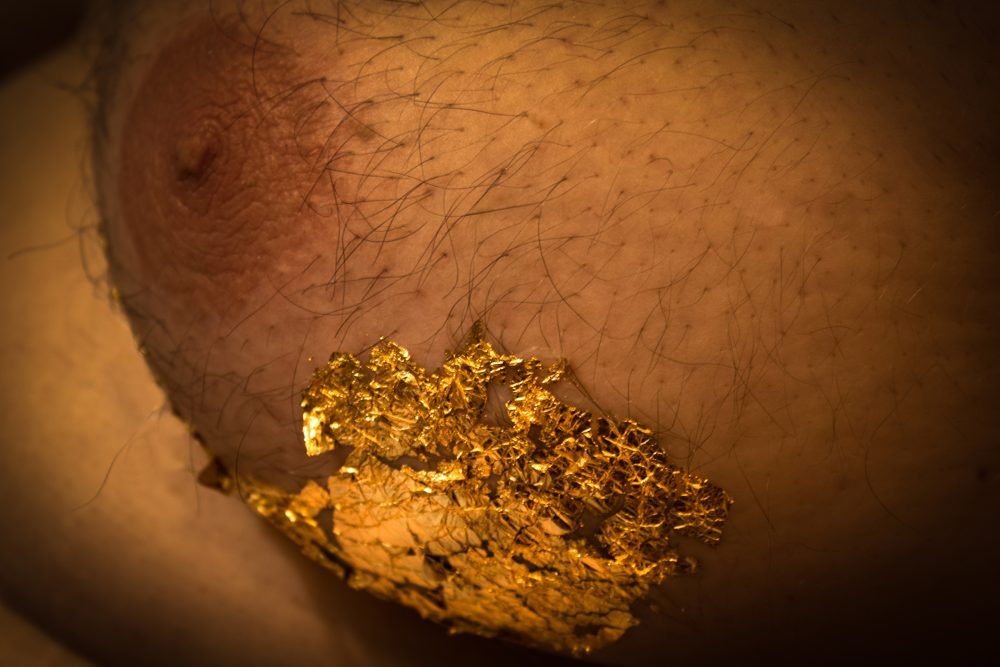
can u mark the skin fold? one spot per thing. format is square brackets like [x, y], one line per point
[766, 230]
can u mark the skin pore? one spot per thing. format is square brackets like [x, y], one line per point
[766, 230]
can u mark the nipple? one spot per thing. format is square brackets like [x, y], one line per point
[195, 154]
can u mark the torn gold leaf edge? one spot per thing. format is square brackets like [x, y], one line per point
[543, 524]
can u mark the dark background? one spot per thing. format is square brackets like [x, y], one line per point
[29, 29]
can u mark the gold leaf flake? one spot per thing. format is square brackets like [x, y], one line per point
[544, 525]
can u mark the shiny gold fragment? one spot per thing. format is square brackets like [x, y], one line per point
[215, 476]
[543, 525]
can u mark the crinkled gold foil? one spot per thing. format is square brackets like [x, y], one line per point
[543, 525]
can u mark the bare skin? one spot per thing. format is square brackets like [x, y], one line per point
[769, 233]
